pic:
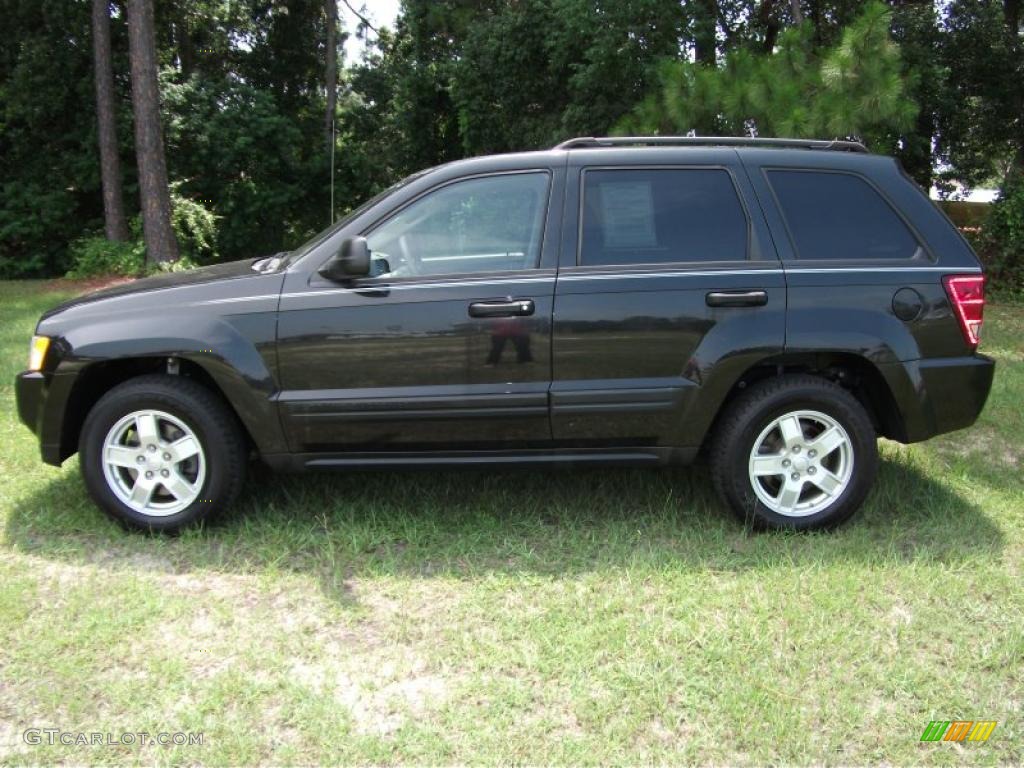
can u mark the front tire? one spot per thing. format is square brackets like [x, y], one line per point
[160, 453]
[795, 452]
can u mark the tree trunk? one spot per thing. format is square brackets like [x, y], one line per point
[186, 48]
[149, 144]
[816, 21]
[106, 118]
[768, 21]
[705, 32]
[1011, 13]
[331, 71]
[798, 14]
[916, 156]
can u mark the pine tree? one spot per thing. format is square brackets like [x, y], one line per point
[106, 119]
[856, 89]
[154, 193]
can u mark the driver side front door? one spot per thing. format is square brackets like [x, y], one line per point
[447, 346]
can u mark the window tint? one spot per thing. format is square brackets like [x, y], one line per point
[487, 224]
[661, 215]
[840, 216]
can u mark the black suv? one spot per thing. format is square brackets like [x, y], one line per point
[779, 303]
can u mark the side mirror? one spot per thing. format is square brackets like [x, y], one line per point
[352, 260]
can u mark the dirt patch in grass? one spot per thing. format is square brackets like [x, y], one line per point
[380, 677]
[10, 736]
[379, 697]
[980, 440]
[374, 669]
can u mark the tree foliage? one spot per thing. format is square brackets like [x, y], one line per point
[244, 99]
[540, 71]
[856, 88]
[49, 164]
[980, 133]
[1002, 241]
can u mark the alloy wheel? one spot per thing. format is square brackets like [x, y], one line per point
[801, 463]
[154, 463]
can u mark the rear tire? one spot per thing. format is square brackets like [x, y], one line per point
[795, 452]
[160, 453]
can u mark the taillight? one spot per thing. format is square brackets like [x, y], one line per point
[967, 295]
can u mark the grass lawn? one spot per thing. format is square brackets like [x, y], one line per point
[588, 617]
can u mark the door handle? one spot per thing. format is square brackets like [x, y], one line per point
[511, 308]
[737, 298]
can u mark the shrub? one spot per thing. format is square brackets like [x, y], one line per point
[183, 264]
[195, 227]
[94, 255]
[1002, 241]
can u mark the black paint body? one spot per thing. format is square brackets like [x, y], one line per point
[614, 364]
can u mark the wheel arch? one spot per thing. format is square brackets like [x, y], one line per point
[232, 356]
[853, 372]
[95, 379]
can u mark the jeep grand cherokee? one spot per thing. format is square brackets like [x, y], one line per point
[778, 303]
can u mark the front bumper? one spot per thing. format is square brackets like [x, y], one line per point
[939, 395]
[32, 391]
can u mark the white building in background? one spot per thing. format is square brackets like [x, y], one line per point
[976, 195]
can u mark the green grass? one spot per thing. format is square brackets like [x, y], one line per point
[586, 617]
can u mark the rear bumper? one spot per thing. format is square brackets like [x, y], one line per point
[939, 395]
[32, 391]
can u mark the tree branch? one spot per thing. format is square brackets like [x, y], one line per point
[365, 21]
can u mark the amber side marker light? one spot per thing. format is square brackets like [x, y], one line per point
[37, 352]
[967, 295]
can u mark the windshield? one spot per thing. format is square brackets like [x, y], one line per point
[309, 245]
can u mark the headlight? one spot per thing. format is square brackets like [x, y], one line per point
[37, 352]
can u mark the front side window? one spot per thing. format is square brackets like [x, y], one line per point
[661, 215]
[840, 216]
[486, 224]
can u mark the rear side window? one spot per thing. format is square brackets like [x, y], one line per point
[840, 216]
[655, 216]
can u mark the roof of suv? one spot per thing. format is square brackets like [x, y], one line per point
[591, 142]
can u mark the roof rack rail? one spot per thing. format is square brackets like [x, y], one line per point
[583, 142]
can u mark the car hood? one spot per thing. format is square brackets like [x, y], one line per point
[218, 272]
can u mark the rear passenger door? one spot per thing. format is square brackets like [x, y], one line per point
[668, 289]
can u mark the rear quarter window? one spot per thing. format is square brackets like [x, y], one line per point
[839, 216]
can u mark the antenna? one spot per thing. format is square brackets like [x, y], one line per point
[333, 142]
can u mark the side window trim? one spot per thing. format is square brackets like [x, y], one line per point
[672, 167]
[921, 242]
[545, 210]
